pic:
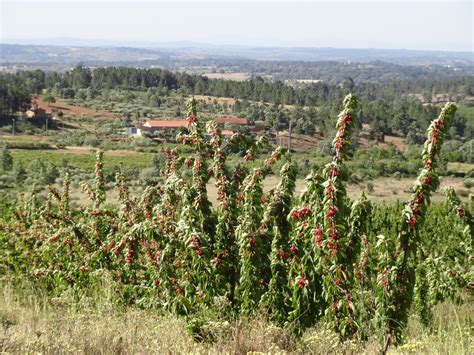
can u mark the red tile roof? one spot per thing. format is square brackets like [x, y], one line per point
[165, 124]
[235, 120]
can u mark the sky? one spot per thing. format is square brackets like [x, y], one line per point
[427, 25]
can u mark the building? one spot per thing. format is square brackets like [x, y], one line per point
[36, 113]
[152, 126]
[133, 131]
[240, 121]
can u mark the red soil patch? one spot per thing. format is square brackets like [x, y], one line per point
[397, 141]
[299, 142]
[70, 109]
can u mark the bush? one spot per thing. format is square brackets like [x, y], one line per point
[91, 141]
[370, 187]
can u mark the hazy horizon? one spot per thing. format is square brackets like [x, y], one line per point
[422, 25]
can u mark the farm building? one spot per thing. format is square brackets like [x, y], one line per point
[163, 125]
[133, 131]
[164, 128]
[36, 113]
[221, 121]
[167, 128]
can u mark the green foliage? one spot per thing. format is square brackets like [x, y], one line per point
[14, 94]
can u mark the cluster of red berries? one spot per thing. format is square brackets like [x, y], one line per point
[281, 254]
[300, 214]
[346, 118]
[334, 247]
[197, 245]
[318, 233]
[249, 156]
[302, 281]
[54, 237]
[331, 211]
[276, 154]
[385, 279]
[191, 120]
[130, 255]
[427, 180]
[334, 172]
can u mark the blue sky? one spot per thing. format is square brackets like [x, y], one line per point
[437, 25]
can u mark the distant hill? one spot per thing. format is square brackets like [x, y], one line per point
[277, 63]
[40, 54]
[102, 50]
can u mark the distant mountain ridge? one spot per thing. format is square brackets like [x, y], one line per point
[89, 51]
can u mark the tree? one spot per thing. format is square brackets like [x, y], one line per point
[14, 94]
[49, 98]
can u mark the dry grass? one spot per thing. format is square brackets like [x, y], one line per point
[386, 190]
[236, 76]
[220, 100]
[90, 151]
[389, 190]
[460, 167]
[35, 324]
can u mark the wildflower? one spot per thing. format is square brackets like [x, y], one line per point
[293, 249]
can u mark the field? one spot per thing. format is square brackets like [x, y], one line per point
[83, 157]
[228, 76]
[70, 109]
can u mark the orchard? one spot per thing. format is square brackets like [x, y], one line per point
[357, 268]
